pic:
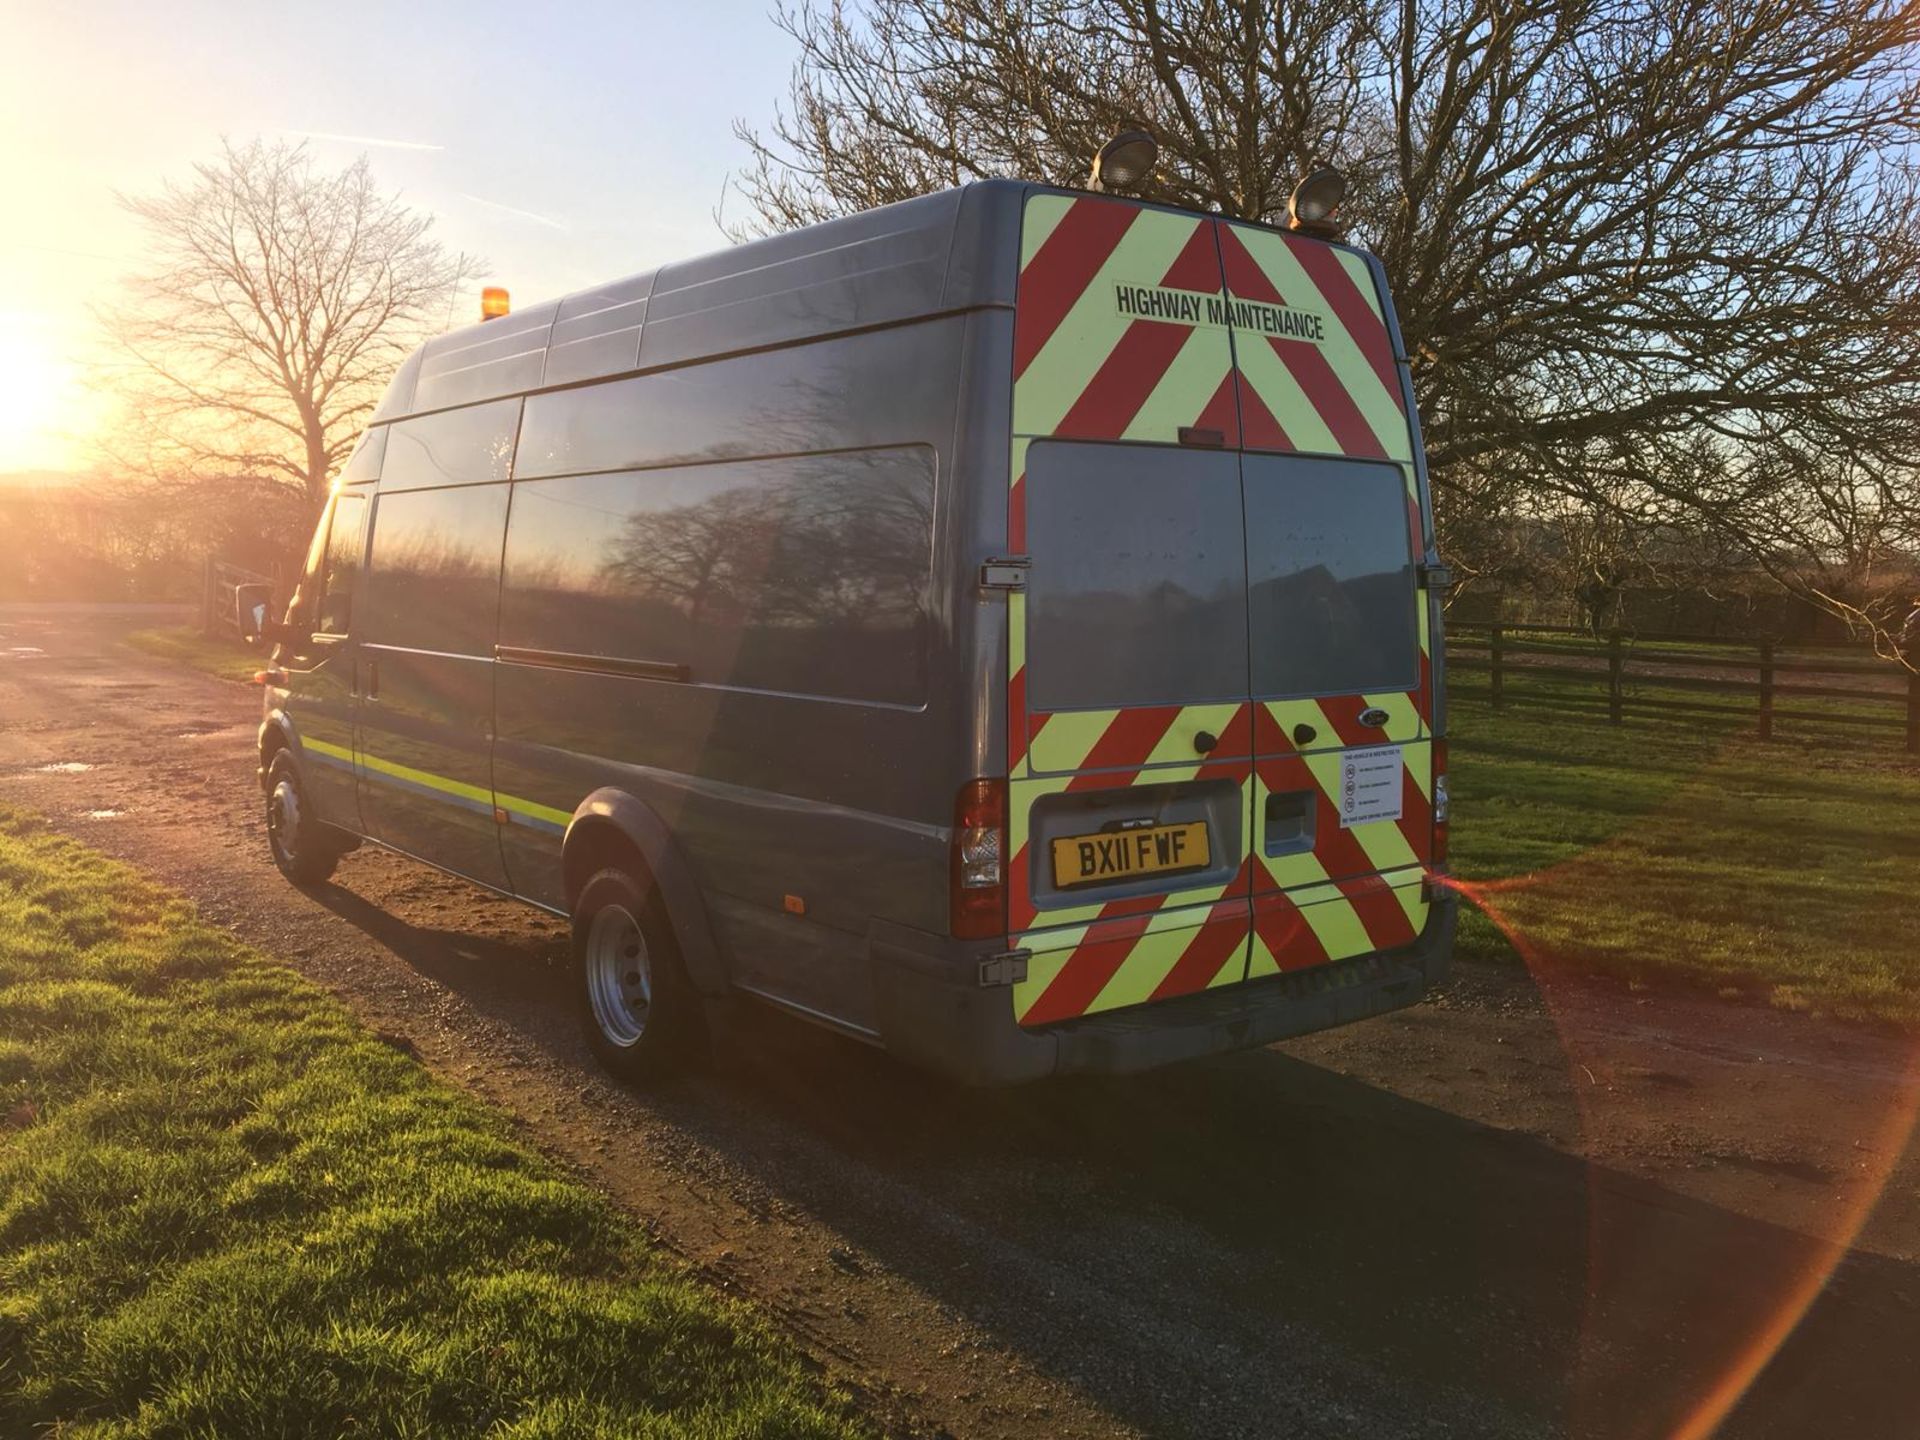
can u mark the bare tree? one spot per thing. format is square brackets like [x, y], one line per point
[276, 303]
[1660, 258]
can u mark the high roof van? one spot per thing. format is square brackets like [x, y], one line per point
[997, 626]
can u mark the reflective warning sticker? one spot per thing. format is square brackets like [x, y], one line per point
[1370, 786]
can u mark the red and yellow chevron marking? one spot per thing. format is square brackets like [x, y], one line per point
[1340, 853]
[1131, 960]
[1136, 736]
[1282, 768]
[1338, 395]
[1085, 367]
[1298, 929]
[1125, 330]
[1108, 954]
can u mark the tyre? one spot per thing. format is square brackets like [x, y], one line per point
[637, 1007]
[303, 849]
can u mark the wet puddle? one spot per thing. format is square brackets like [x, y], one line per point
[63, 767]
[198, 729]
[22, 652]
[103, 814]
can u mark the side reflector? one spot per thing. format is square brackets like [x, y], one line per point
[793, 904]
[1440, 803]
[978, 885]
[270, 677]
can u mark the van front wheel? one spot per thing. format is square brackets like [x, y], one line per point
[636, 1006]
[303, 849]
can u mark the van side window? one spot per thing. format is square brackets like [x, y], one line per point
[433, 572]
[805, 575]
[364, 463]
[1330, 585]
[342, 563]
[785, 402]
[455, 447]
[303, 606]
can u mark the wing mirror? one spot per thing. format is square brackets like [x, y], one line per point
[253, 618]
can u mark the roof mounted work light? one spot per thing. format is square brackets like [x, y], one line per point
[1124, 162]
[1310, 209]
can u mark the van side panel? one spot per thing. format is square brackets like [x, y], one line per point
[424, 637]
[423, 742]
[739, 561]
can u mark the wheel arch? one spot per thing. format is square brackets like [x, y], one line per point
[611, 826]
[276, 734]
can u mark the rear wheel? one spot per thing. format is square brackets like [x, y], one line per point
[305, 851]
[638, 1010]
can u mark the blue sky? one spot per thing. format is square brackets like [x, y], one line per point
[570, 143]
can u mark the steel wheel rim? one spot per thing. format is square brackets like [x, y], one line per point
[619, 975]
[283, 818]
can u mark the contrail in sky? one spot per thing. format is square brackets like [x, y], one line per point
[514, 210]
[372, 140]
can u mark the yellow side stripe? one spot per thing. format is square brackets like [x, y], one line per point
[427, 778]
[537, 811]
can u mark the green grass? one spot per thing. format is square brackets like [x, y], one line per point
[225, 1209]
[1687, 849]
[228, 659]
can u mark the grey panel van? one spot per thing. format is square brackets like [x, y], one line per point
[997, 626]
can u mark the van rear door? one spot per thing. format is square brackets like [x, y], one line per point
[1337, 625]
[1130, 722]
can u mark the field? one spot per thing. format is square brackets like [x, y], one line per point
[226, 1209]
[1687, 849]
[219, 656]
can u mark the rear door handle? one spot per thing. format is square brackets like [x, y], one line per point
[373, 679]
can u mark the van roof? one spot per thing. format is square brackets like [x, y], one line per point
[935, 254]
[953, 250]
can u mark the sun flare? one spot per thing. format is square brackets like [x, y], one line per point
[37, 389]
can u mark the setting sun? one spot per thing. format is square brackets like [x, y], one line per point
[39, 389]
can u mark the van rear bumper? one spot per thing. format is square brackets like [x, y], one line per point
[933, 1012]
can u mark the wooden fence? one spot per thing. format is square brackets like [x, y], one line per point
[1622, 666]
[218, 586]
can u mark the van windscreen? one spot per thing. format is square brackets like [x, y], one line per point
[1138, 591]
[1330, 568]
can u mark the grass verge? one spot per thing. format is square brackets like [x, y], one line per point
[226, 1209]
[184, 644]
[1691, 850]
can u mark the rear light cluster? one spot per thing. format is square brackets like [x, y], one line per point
[979, 882]
[1439, 802]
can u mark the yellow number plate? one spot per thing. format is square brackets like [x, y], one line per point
[1128, 854]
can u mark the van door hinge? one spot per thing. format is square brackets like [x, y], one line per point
[1005, 572]
[1006, 969]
